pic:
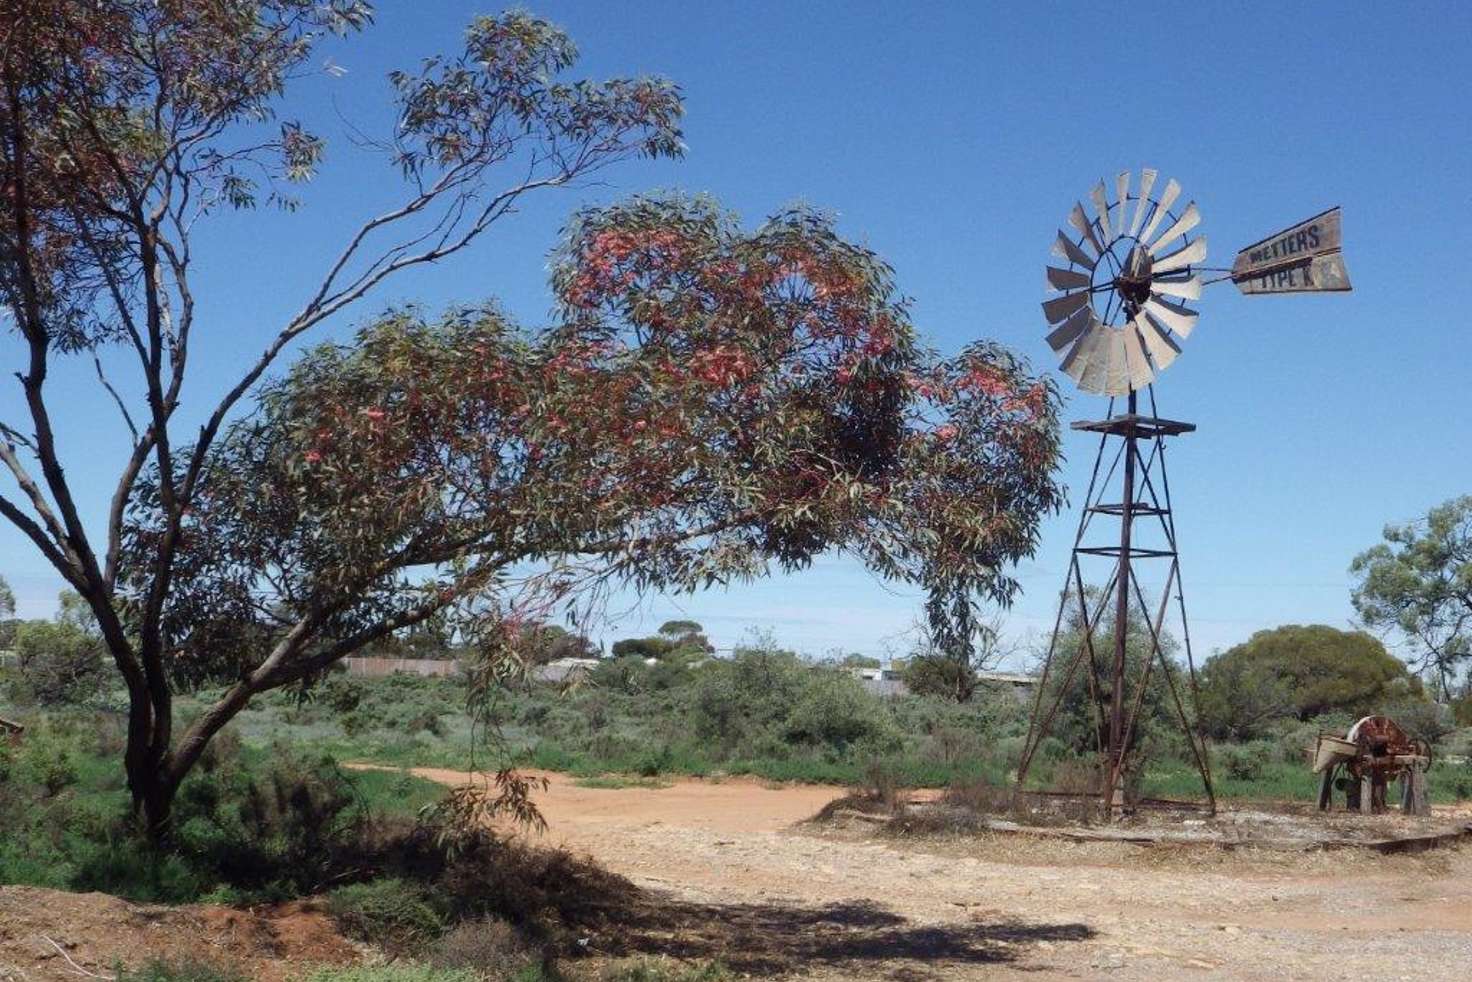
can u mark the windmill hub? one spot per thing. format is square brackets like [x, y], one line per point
[1133, 282]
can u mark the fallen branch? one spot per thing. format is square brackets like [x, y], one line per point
[75, 967]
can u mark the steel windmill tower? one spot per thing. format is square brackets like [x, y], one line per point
[1117, 321]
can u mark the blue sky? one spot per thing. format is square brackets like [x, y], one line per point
[952, 139]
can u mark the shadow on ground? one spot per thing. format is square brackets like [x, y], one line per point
[555, 898]
[864, 939]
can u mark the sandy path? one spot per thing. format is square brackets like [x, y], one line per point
[842, 904]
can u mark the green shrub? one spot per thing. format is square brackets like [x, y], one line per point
[277, 830]
[180, 970]
[342, 694]
[391, 913]
[60, 663]
[668, 970]
[488, 945]
[833, 709]
[1449, 781]
[47, 759]
[1244, 762]
[397, 972]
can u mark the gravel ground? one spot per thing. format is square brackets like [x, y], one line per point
[773, 896]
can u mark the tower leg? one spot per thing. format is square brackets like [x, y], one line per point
[1115, 763]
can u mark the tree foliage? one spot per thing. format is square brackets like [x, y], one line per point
[61, 661]
[642, 647]
[681, 638]
[1418, 583]
[1302, 671]
[7, 616]
[687, 634]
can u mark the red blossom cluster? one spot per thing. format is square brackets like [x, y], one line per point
[722, 365]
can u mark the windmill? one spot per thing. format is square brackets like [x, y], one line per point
[1119, 318]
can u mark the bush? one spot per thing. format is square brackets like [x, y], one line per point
[47, 759]
[1244, 762]
[764, 695]
[488, 945]
[392, 973]
[667, 970]
[1302, 671]
[1423, 719]
[941, 676]
[180, 970]
[832, 709]
[60, 664]
[391, 913]
[277, 832]
[626, 674]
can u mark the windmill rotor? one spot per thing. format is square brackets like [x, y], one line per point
[1117, 320]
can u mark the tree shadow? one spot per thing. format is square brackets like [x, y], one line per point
[770, 939]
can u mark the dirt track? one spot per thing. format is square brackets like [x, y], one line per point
[843, 904]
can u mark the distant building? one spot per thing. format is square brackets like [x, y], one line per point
[377, 668]
[1021, 686]
[889, 681]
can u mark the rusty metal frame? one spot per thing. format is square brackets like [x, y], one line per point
[1141, 497]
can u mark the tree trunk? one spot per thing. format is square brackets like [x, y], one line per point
[153, 801]
[146, 763]
[153, 793]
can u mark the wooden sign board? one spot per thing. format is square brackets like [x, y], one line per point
[1303, 258]
[1321, 274]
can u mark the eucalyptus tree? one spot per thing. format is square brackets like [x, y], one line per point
[1417, 583]
[708, 401]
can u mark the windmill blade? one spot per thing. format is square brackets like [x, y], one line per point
[1193, 252]
[1095, 374]
[1168, 198]
[1117, 372]
[1171, 317]
[1067, 279]
[1101, 205]
[1162, 349]
[1121, 192]
[1083, 352]
[1060, 308]
[1189, 219]
[1080, 221]
[1140, 371]
[1064, 248]
[1068, 332]
[1147, 184]
[1188, 289]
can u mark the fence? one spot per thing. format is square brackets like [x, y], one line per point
[377, 668]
